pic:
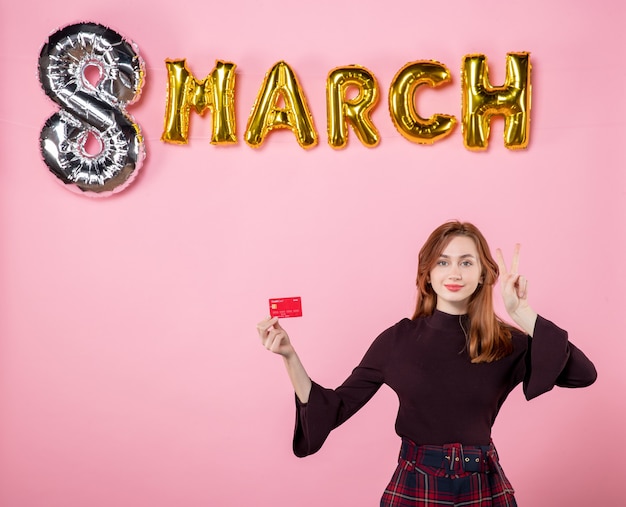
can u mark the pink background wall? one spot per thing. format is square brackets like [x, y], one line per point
[130, 369]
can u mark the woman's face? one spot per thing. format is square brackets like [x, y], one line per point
[456, 275]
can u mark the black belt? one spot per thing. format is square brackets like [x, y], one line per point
[452, 458]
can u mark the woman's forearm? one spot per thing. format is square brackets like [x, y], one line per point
[298, 376]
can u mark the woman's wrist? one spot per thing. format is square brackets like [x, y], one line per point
[526, 318]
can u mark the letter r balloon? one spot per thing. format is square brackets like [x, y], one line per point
[341, 109]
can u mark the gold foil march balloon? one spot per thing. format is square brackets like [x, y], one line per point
[351, 94]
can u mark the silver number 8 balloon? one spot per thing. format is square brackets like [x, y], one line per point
[91, 109]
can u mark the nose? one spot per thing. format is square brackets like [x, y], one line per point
[455, 273]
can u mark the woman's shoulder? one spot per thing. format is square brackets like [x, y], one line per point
[398, 331]
[401, 326]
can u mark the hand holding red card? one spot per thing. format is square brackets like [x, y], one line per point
[286, 307]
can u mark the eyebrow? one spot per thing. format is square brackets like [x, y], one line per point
[464, 256]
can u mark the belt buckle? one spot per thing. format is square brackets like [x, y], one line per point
[453, 455]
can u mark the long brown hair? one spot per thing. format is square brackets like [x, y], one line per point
[489, 338]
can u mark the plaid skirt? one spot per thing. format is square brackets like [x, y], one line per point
[454, 475]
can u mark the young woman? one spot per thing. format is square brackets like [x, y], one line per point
[452, 366]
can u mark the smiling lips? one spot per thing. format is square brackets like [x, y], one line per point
[454, 287]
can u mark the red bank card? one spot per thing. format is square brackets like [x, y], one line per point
[286, 307]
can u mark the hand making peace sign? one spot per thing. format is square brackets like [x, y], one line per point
[513, 286]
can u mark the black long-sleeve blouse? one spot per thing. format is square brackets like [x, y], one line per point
[443, 396]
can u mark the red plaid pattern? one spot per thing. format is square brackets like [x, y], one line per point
[429, 475]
